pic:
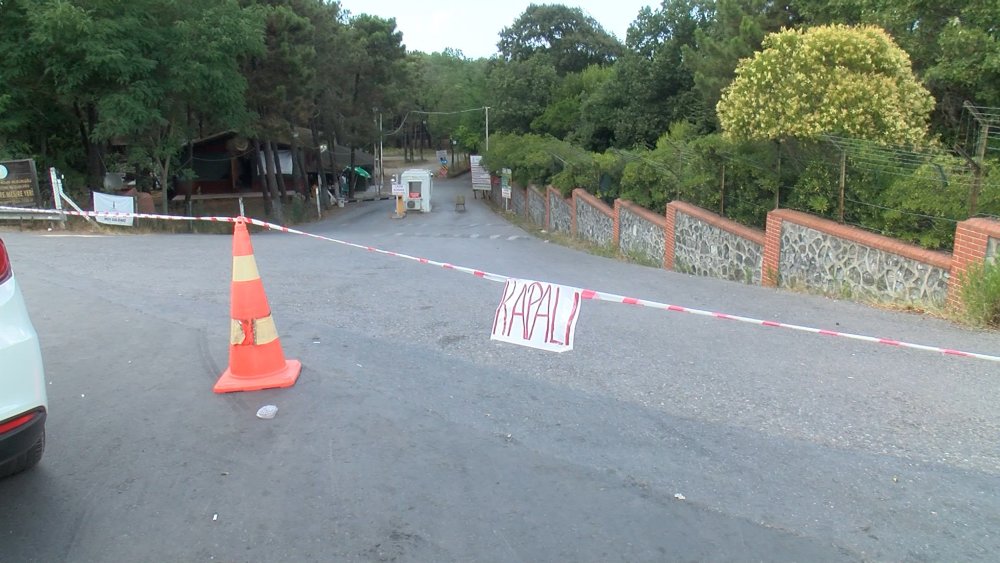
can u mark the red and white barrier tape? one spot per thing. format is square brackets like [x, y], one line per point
[585, 293]
[96, 214]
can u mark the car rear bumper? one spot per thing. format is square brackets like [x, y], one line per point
[22, 376]
[19, 440]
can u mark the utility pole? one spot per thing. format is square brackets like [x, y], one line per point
[979, 163]
[977, 185]
[722, 194]
[777, 185]
[381, 157]
[487, 128]
[423, 137]
[843, 182]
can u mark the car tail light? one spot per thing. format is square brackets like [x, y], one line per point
[5, 271]
[14, 423]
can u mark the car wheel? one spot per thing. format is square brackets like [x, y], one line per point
[25, 461]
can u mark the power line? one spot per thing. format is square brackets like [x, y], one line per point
[934, 217]
[421, 112]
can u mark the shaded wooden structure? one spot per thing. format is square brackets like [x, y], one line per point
[224, 165]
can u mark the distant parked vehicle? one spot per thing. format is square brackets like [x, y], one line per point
[23, 402]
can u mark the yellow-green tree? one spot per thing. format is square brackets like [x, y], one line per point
[837, 79]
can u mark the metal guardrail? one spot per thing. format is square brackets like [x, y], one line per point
[7, 214]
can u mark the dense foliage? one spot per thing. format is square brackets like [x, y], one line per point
[733, 105]
[827, 80]
[981, 294]
[740, 106]
[93, 86]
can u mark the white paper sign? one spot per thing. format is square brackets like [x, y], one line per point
[398, 189]
[537, 314]
[114, 204]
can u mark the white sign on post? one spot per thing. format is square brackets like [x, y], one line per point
[398, 189]
[114, 204]
[505, 183]
[538, 315]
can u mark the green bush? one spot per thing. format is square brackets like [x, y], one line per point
[981, 294]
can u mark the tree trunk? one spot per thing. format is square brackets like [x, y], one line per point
[324, 194]
[277, 214]
[261, 176]
[406, 144]
[95, 150]
[300, 163]
[279, 174]
[187, 183]
[163, 169]
[423, 138]
[354, 177]
[300, 181]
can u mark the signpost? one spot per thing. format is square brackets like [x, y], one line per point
[19, 184]
[480, 176]
[505, 174]
[19, 188]
[398, 191]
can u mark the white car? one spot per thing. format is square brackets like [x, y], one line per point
[23, 403]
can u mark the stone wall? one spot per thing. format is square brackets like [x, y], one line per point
[797, 250]
[560, 213]
[706, 244]
[594, 219]
[536, 207]
[640, 232]
[836, 259]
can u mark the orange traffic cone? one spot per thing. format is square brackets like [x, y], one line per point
[255, 357]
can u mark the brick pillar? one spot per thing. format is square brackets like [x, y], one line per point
[770, 269]
[616, 225]
[971, 241]
[669, 237]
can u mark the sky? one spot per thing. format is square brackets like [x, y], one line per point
[473, 26]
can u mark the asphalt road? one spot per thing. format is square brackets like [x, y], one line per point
[410, 436]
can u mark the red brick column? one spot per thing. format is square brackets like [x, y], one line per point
[669, 237]
[769, 274]
[971, 239]
[616, 224]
